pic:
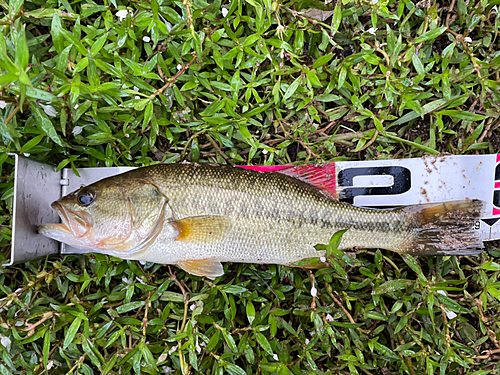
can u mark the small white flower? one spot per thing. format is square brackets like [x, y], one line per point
[49, 110]
[27, 154]
[136, 88]
[146, 38]
[495, 9]
[442, 292]
[76, 106]
[450, 314]
[122, 14]
[3, 104]
[224, 12]
[50, 364]
[265, 152]
[314, 291]
[19, 323]
[137, 97]
[323, 259]
[77, 130]
[142, 262]
[307, 341]
[372, 30]
[5, 341]
[125, 280]
[179, 66]
[192, 307]
[375, 2]
[468, 39]
[275, 357]
[197, 347]
[329, 318]
[172, 349]
[162, 358]
[141, 281]
[167, 370]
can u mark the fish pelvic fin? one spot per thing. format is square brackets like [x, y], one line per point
[202, 229]
[444, 228]
[210, 268]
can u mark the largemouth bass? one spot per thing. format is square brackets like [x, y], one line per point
[197, 216]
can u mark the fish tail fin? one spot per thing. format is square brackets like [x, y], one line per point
[444, 228]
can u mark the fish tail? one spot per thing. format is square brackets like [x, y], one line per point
[444, 228]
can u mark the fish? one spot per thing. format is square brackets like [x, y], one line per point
[198, 216]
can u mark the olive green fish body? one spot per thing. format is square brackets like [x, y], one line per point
[202, 215]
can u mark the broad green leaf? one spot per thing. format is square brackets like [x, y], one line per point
[46, 348]
[337, 18]
[250, 312]
[428, 108]
[72, 331]
[261, 339]
[292, 88]
[57, 33]
[45, 124]
[431, 34]
[98, 44]
[22, 54]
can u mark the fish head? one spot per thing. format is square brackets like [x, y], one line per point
[116, 216]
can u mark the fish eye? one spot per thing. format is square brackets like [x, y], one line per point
[86, 196]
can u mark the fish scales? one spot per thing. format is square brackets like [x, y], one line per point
[197, 216]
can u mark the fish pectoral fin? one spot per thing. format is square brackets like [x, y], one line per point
[202, 229]
[209, 267]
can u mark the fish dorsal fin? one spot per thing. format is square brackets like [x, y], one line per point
[320, 175]
[202, 229]
[209, 267]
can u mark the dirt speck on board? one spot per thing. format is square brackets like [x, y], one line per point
[424, 193]
[478, 167]
[426, 182]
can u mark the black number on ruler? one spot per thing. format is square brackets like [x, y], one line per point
[401, 184]
[496, 193]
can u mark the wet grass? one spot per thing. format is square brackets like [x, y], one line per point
[110, 83]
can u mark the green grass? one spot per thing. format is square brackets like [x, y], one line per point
[248, 82]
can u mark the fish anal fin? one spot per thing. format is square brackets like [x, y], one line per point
[209, 267]
[320, 175]
[202, 229]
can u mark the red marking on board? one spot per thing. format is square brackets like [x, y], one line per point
[320, 175]
[497, 185]
[496, 211]
[498, 158]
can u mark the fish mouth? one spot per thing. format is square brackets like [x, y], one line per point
[73, 226]
[55, 231]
